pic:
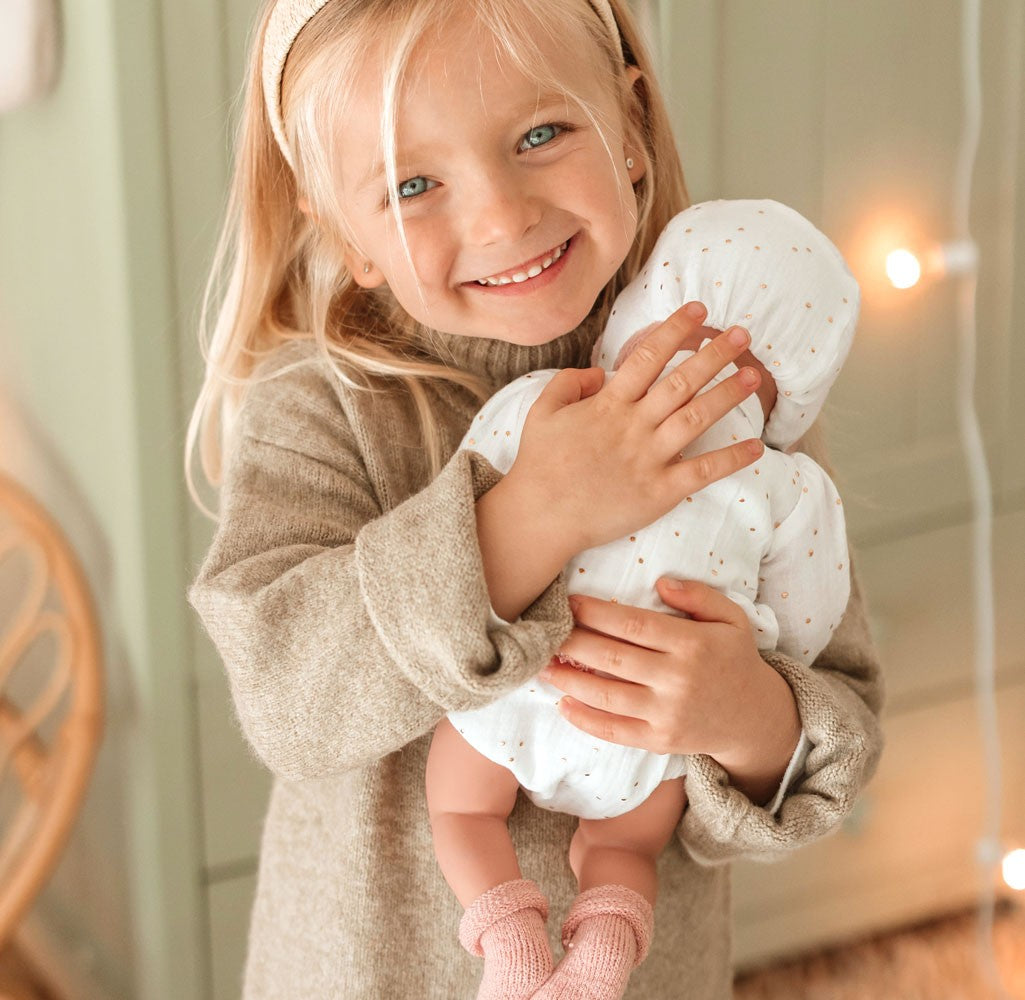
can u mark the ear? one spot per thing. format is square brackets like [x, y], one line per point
[364, 272]
[633, 145]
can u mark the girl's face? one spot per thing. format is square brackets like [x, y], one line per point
[517, 213]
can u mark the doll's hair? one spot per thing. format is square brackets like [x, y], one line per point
[278, 275]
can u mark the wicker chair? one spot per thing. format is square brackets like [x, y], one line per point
[50, 709]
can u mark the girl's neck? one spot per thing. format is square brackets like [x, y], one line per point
[500, 362]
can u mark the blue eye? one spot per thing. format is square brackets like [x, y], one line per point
[414, 186]
[539, 136]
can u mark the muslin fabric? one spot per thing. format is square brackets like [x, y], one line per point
[771, 537]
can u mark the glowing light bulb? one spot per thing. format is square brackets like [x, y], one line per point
[903, 268]
[1014, 869]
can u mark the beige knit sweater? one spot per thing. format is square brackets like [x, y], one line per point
[345, 594]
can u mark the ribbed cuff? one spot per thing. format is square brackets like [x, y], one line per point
[496, 904]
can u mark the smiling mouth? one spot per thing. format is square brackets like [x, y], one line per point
[525, 271]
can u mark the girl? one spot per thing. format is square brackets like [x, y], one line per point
[397, 159]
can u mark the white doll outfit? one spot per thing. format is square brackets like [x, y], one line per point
[771, 537]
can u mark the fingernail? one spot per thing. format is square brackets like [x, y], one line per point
[738, 335]
[754, 446]
[748, 376]
[574, 604]
[695, 310]
[671, 583]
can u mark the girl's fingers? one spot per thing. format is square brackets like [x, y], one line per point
[648, 360]
[567, 386]
[692, 419]
[689, 377]
[618, 657]
[608, 694]
[693, 474]
[611, 620]
[700, 602]
[625, 731]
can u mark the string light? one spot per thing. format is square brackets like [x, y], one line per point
[955, 259]
[903, 268]
[960, 259]
[1013, 868]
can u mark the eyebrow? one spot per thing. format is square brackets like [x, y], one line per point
[545, 101]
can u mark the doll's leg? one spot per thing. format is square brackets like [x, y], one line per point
[469, 799]
[623, 850]
[609, 927]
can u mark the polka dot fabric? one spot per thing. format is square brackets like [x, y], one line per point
[763, 266]
[771, 537]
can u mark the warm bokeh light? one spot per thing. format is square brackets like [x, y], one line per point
[1014, 869]
[903, 268]
[878, 230]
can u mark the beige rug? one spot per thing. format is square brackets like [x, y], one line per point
[935, 961]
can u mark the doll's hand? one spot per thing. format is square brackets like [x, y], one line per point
[599, 460]
[680, 685]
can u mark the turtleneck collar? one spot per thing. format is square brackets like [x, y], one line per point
[499, 362]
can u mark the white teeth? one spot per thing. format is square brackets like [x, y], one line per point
[520, 276]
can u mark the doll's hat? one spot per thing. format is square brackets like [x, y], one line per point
[763, 266]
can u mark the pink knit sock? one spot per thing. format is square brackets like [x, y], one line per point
[507, 926]
[606, 935]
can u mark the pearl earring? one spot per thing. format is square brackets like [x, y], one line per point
[629, 163]
[366, 267]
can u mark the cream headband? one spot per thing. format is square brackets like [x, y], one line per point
[289, 17]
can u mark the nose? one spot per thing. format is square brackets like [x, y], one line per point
[500, 207]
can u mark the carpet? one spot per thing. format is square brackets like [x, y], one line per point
[939, 960]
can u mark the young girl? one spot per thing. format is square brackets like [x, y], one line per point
[396, 159]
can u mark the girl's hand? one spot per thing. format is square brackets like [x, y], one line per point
[599, 459]
[680, 685]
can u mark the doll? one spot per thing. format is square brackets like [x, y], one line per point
[771, 537]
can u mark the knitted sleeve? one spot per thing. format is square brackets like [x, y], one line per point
[347, 631]
[839, 697]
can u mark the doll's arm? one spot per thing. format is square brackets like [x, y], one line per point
[805, 575]
[346, 630]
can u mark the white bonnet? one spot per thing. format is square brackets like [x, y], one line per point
[763, 266]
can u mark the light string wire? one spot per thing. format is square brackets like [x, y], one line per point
[988, 849]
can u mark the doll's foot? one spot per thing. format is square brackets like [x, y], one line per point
[606, 935]
[507, 926]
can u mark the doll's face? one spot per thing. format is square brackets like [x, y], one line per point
[516, 208]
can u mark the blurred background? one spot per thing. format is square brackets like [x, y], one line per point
[111, 191]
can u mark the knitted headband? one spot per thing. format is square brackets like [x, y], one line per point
[289, 17]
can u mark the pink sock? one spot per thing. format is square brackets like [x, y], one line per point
[606, 935]
[507, 926]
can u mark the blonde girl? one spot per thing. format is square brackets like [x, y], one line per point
[397, 159]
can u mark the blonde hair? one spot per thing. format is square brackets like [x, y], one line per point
[277, 275]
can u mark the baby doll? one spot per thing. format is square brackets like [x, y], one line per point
[771, 537]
